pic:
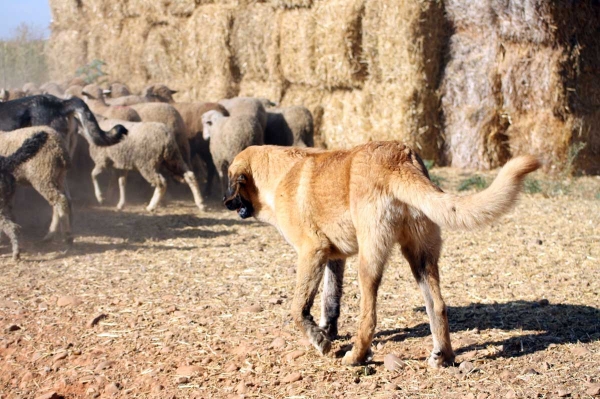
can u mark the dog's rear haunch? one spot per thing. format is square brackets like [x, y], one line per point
[330, 205]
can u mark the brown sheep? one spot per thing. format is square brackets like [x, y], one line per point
[46, 172]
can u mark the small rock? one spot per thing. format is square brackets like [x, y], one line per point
[50, 395]
[466, 367]
[305, 342]
[252, 309]
[482, 395]
[97, 320]
[182, 379]
[544, 302]
[275, 301]
[60, 356]
[13, 327]
[470, 395]
[171, 309]
[103, 365]
[156, 388]
[510, 395]
[187, 371]
[390, 386]
[379, 347]
[292, 377]
[593, 390]
[277, 343]
[68, 300]
[290, 357]
[563, 393]
[580, 351]
[241, 388]
[231, 368]
[392, 362]
[530, 371]
[166, 350]
[111, 388]
[469, 355]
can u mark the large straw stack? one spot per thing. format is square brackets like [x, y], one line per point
[468, 83]
[514, 82]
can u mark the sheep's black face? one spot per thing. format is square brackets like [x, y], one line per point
[234, 201]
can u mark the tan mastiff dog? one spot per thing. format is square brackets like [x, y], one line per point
[330, 205]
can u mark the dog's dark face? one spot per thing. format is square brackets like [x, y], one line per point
[238, 196]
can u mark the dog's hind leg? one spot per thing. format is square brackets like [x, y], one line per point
[332, 296]
[372, 258]
[423, 259]
[310, 271]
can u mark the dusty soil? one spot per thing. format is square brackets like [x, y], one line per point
[182, 304]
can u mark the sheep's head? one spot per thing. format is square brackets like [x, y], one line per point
[119, 90]
[4, 95]
[159, 93]
[92, 91]
[208, 121]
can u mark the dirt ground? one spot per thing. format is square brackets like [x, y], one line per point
[181, 304]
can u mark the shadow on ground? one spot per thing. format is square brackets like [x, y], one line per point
[553, 323]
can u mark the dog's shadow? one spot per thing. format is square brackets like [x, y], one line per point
[552, 323]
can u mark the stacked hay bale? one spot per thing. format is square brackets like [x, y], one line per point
[467, 83]
[516, 82]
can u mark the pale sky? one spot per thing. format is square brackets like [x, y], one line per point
[32, 12]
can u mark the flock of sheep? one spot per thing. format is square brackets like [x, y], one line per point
[149, 133]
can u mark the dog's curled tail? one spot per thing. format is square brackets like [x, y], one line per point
[470, 211]
[28, 149]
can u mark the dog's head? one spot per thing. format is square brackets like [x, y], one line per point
[241, 195]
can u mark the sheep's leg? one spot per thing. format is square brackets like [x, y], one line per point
[191, 181]
[122, 185]
[224, 177]
[61, 209]
[10, 228]
[160, 184]
[98, 169]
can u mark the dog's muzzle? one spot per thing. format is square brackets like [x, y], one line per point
[234, 202]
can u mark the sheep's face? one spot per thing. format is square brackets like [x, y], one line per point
[208, 123]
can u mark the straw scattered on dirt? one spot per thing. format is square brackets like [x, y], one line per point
[181, 304]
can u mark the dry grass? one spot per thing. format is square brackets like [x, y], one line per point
[174, 288]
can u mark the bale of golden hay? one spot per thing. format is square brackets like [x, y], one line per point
[65, 52]
[164, 52]
[297, 47]
[255, 42]
[208, 58]
[529, 88]
[474, 125]
[321, 46]
[404, 40]
[291, 3]
[337, 43]
[404, 111]
[273, 90]
[344, 123]
[66, 14]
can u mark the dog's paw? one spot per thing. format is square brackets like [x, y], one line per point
[319, 339]
[438, 359]
[351, 358]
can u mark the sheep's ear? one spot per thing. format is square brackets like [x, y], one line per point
[173, 91]
[106, 91]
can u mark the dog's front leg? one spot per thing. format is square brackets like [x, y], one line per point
[309, 274]
[332, 296]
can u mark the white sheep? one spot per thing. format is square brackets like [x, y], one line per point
[229, 135]
[46, 172]
[147, 147]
